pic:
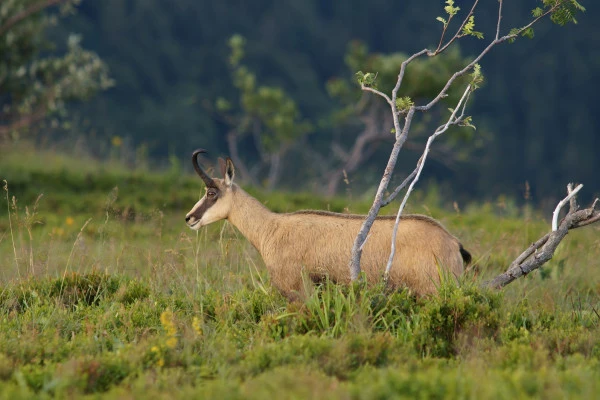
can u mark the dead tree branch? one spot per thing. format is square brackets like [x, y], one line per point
[376, 128]
[24, 121]
[543, 249]
[570, 198]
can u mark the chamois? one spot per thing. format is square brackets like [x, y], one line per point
[319, 243]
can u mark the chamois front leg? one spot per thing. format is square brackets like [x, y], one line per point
[288, 281]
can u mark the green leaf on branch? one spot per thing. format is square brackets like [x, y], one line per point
[514, 32]
[467, 29]
[403, 104]
[360, 77]
[366, 79]
[537, 12]
[525, 32]
[528, 33]
[566, 12]
[468, 122]
[442, 20]
[476, 77]
[450, 9]
[370, 79]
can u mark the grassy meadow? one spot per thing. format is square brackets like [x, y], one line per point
[104, 292]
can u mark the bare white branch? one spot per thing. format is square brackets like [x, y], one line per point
[561, 204]
[499, 19]
[379, 93]
[405, 182]
[451, 121]
[403, 70]
[365, 242]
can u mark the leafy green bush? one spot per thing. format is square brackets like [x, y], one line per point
[453, 311]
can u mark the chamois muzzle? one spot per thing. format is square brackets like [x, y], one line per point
[207, 179]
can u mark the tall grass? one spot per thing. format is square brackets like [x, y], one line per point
[114, 297]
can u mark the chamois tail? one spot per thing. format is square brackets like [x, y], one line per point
[466, 256]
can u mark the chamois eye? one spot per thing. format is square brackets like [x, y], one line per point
[211, 193]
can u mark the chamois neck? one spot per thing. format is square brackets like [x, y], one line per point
[250, 217]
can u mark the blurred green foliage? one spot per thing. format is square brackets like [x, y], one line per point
[265, 116]
[38, 77]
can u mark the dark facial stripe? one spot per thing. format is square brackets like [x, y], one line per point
[208, 202]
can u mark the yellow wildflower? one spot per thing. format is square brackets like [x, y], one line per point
[168, 324]
[116, 141]
[171, 342]
[197, 326]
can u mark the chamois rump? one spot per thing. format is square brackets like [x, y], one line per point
[319, 243]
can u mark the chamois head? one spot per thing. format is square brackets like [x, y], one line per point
[216, 202]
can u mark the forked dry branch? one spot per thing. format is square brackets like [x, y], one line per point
[543, 249]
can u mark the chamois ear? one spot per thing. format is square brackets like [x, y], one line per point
[229, 172]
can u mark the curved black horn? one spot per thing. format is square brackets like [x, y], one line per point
[207, 179]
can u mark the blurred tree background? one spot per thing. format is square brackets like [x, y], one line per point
[179, 85]
[39, 76]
